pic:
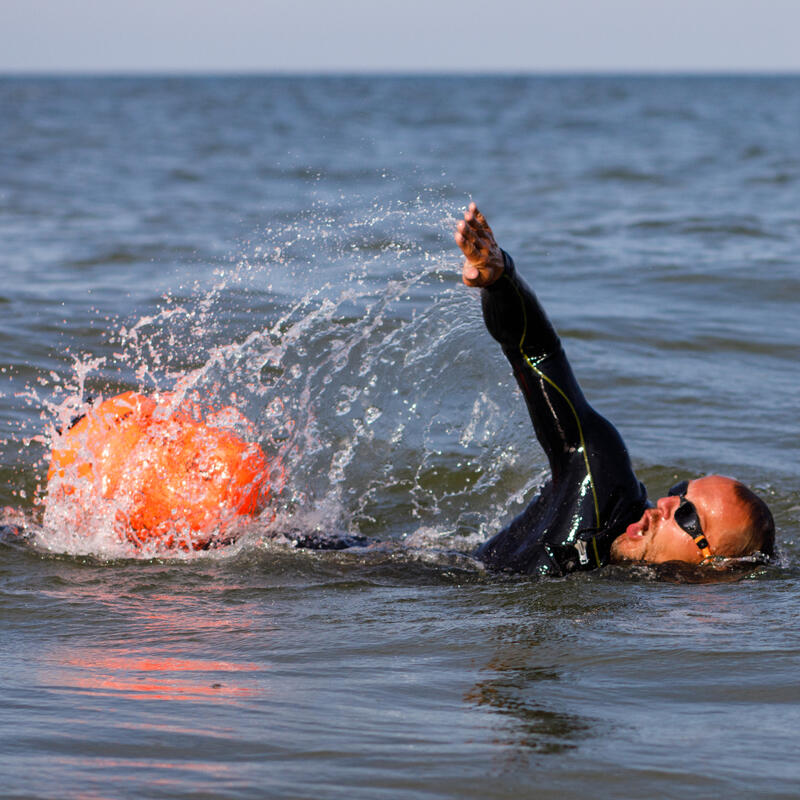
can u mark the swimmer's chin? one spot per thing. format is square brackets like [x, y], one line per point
[627, 550]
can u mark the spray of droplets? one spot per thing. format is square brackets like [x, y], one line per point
[356, 359]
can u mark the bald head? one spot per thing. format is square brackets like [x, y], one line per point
[733, 519]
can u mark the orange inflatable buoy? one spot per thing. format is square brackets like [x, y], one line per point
[172, 479]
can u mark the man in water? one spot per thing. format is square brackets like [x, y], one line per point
[593, 509]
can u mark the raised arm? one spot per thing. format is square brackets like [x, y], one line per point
[594, 492]
[516, 319]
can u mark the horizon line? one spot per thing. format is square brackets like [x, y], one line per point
[360, 72]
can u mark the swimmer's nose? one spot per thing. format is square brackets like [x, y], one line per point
[665, 506]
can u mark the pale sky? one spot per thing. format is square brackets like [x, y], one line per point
[398, 36]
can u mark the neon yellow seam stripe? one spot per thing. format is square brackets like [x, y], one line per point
[594, 538]
[571, 408]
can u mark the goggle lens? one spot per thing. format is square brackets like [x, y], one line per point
[687, 518]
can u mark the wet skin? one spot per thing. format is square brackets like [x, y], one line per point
[483, 264]
[656, 537]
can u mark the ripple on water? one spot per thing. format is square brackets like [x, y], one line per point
[665, 249]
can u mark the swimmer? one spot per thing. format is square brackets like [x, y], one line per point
[592, 510]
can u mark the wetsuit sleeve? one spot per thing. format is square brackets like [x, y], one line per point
[556, 404]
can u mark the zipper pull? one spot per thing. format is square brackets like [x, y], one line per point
[580, 546]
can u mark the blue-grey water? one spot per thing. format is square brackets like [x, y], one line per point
[284, 245]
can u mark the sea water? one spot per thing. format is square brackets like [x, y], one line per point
[284, 246]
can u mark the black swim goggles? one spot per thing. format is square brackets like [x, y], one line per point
[687, 518]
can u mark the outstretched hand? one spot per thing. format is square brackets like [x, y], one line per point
[484, 260]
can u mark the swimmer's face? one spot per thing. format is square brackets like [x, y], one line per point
[657, 537]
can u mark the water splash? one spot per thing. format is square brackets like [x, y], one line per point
[350, 348]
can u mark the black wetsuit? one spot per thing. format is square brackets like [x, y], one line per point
[593, 494]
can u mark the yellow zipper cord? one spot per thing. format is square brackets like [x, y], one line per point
[544, 377]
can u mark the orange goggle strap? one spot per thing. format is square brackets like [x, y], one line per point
[702, 543]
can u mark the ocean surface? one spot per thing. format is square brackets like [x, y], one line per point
[284, 245]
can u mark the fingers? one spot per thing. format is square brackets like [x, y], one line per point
[468, 245]
[472, 242]
[469, 238]
[483, 265]
[481, 220]
[477, 222]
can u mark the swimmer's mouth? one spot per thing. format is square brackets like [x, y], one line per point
[636, 530]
